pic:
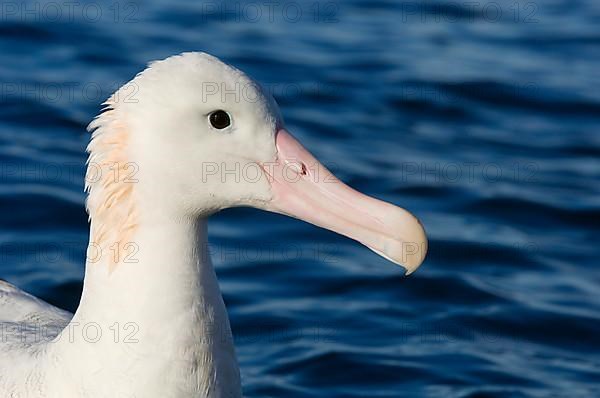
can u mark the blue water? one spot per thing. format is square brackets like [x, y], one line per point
[482, 120]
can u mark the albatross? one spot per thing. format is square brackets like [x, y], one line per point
[185, 138]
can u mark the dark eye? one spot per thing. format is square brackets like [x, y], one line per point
[219, 119]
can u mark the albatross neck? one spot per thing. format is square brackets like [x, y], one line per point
[163, 297]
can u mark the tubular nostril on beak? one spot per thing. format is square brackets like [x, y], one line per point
[298, 168]
[303, 169]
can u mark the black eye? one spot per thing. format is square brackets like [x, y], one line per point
[219, 119]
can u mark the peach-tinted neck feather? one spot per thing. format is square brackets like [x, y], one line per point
[110, 182]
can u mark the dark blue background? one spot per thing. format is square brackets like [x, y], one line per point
[483, 120]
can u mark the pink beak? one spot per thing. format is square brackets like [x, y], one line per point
[303, 188]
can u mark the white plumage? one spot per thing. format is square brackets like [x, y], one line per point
[151, 321]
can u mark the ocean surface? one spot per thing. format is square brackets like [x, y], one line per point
[482, 118]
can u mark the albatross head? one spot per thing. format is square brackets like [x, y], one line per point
[201, 136]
